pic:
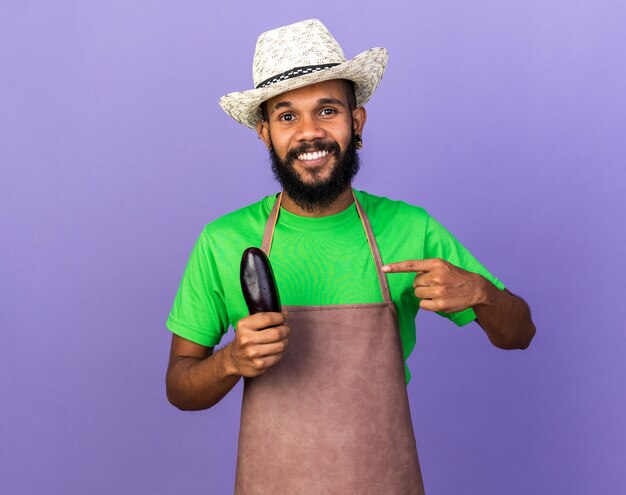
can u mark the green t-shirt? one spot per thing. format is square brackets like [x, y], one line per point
[316, 261]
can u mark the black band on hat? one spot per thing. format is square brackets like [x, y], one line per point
[295, 72]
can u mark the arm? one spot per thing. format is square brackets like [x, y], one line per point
[443, 287]
[503, 316]
[197, 378]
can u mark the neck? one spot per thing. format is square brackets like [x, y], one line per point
[341, 203]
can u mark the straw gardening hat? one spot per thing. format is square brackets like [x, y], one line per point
[297, 55]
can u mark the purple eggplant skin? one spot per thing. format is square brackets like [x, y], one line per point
[257, 282]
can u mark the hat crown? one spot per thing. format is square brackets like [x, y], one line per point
[305, 43]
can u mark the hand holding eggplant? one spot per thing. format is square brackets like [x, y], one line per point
[260, 338]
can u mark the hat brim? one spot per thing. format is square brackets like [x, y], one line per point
[365, 70]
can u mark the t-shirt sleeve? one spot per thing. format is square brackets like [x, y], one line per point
[439, 243]
[199, 313]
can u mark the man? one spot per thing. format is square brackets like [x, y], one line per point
[325, 408]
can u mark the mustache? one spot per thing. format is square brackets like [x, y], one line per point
[330, 146]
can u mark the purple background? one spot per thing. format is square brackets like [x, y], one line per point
[506, 120]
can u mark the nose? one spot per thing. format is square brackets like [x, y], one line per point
[310, 129]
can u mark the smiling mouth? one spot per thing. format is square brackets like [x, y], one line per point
[312, 156]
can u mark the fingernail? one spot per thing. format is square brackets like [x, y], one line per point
[385, 268]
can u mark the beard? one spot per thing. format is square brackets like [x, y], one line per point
[319, 193]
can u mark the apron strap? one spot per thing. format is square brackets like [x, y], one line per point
[268, 235]
[384, 287]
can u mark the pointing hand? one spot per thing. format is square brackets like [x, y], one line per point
[440, 285]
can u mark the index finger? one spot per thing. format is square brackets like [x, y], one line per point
[409, 266]
[260, 321]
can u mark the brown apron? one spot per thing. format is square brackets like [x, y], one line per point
[332, 416]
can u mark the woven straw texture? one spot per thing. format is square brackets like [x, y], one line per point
[290, 57]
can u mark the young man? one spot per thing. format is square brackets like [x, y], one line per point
[325, 408]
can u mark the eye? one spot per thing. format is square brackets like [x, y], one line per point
[286, 117]
[328, 111]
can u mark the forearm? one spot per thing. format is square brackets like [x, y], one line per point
[194, 384]
[504, 317]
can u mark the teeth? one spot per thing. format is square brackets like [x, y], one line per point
[316, 155]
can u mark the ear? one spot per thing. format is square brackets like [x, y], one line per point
[359, 116]
[263, 131]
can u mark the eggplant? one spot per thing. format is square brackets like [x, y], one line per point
[257, 282]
